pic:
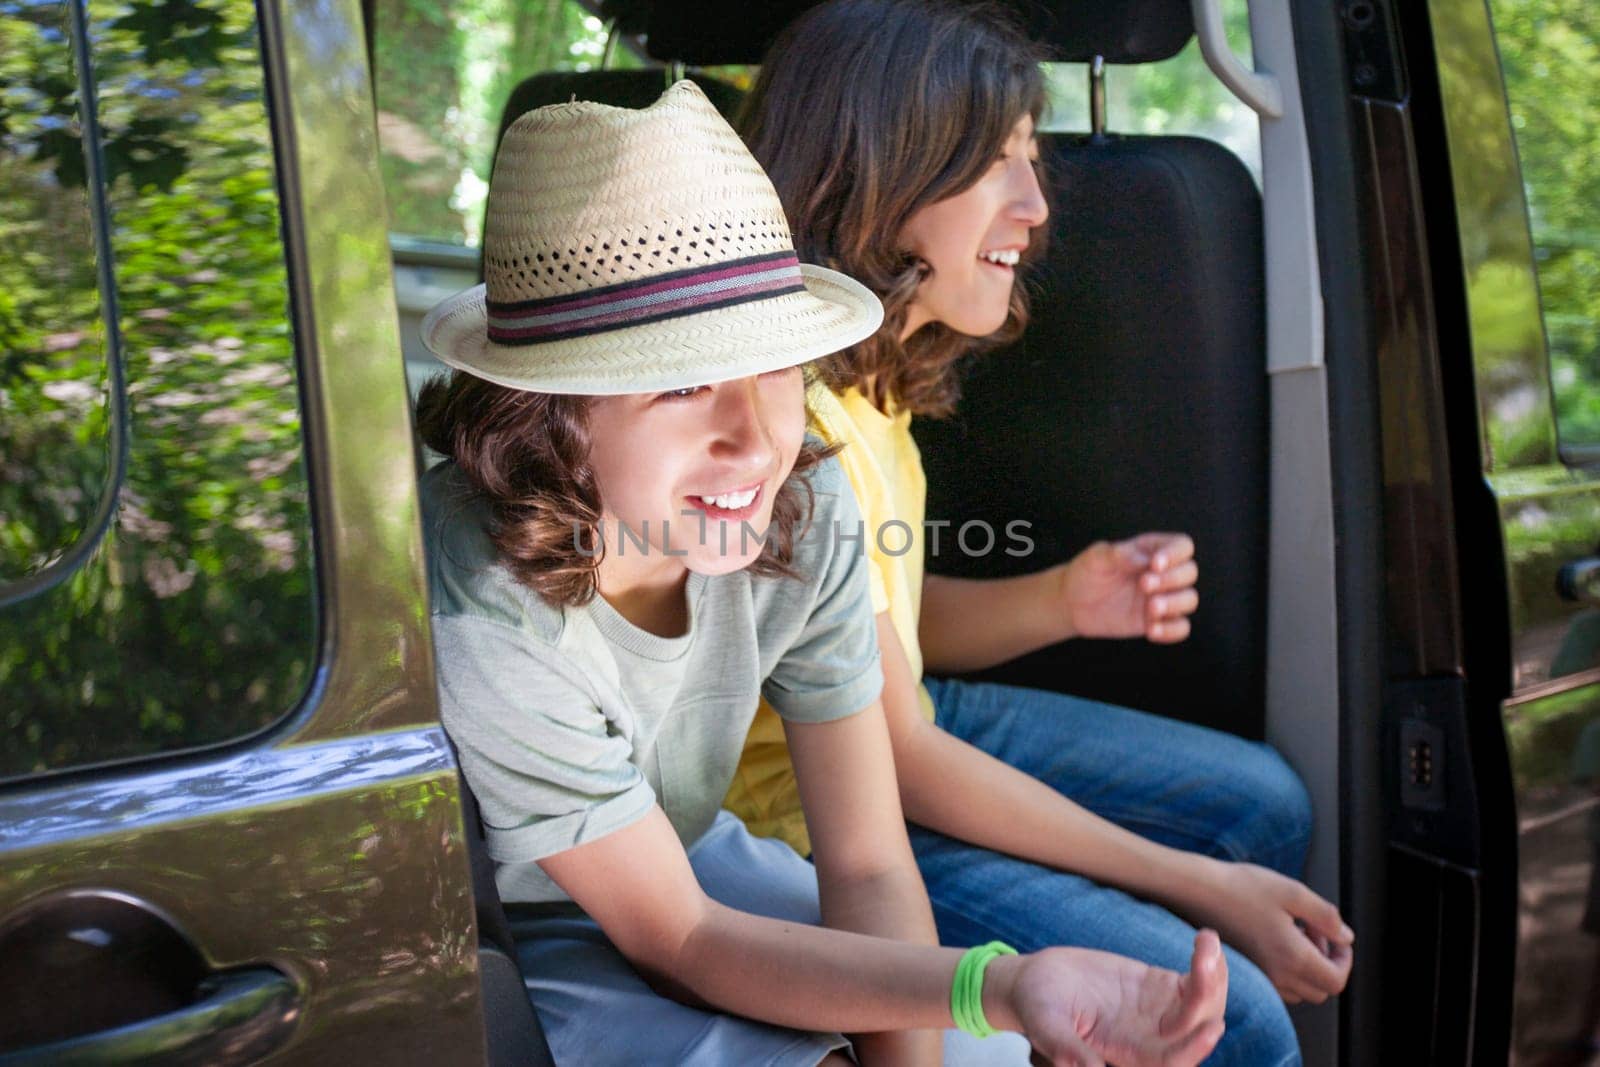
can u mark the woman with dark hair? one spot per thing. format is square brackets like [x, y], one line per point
[900, 136]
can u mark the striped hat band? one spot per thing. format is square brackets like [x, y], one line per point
[654, 299]
[639, 251]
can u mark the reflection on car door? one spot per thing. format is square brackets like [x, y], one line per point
[230, 825]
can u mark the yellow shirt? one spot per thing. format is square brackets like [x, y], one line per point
[880, 458]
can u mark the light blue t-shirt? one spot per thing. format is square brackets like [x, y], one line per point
[572, 723]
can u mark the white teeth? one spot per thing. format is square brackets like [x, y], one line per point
[731, 501]
[1009, 257]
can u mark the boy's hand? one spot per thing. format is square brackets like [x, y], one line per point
[1141, 587]
[1082, 1008]
[1295, 937]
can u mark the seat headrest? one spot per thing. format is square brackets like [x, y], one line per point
[619, 88]
[711, 32]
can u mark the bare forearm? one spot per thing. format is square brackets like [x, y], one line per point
[814, 978]
[892, 903]
[958, 790]
[968, 624]
[867, 877]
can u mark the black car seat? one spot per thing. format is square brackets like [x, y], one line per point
[1136, 400]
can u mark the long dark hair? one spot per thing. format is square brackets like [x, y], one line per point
[866, 111]
[528, 454]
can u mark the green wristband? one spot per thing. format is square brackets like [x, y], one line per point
[966, 992]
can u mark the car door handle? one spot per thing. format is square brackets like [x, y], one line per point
[1579, 581]
[240, 1017]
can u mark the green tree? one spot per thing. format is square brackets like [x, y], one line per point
[443, 76]
[1550, 59]
[192, 621]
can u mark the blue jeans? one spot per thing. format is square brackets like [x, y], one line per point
[1172, 782]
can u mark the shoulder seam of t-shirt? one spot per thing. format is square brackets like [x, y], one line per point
[825, 508]
[466, 574]
[548, 655]
[471, 608]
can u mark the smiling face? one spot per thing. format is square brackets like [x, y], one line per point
[972, 241]
[705, 461]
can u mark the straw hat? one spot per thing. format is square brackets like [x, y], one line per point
[631, 251]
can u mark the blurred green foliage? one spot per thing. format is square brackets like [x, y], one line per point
[52, 469]
[193, 619]
[1550, 66]
[1543, 735]
[1550, 58]
[443, 75]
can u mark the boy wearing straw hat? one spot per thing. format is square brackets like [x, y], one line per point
[633, 538]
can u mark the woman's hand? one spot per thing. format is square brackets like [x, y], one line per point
[1082, 1008]
[1141, 587]
[1295, 937]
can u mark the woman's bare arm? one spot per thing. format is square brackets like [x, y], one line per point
[958, 790]
[968, 624]
[1141, 587]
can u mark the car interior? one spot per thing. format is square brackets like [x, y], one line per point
[1162, 383]
[1319, 290]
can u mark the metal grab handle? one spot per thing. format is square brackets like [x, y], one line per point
[242, 1016]
[1257, 90]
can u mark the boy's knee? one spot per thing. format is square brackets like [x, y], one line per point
[1259, 1031]
[1282, 814]
[1290, 799]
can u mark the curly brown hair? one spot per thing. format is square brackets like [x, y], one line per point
[866, 111]
[528, 454]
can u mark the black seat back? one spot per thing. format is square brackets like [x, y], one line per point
[1137, 400]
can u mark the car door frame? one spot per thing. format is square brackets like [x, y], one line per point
[330, 845]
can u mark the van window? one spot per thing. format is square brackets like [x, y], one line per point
[1550, 59]
[156, 581]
